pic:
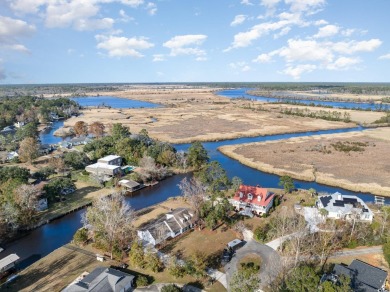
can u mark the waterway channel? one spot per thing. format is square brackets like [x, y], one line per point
[47, 238]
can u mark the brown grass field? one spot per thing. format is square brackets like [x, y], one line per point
[314, 158]
[200, 115]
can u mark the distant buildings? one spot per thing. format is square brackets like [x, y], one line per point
[252, 199]
[171, 225]
[364, 277]
[344, 207]
[106, 167]
[103, 280]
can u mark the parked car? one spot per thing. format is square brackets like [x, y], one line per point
[227, 255]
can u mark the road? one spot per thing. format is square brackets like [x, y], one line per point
[270, 261]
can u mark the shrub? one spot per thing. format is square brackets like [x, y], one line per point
[141, 281]
[171, 288]
[81, 236]
[386, 251]
[260, 233]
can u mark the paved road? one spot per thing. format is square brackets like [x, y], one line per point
[270, 261]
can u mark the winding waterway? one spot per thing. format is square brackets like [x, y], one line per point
[242, 93]
[47, 238]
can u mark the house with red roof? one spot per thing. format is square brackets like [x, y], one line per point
[253, 199]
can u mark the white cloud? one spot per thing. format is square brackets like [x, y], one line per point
[124, 16]
[352, 47]
[283, 32]
[246, 2]
[158, 58]
[385, 57]
[122, 46]
[305, 50]
[240, 66]
[343, 63]
[186, 45]
[269, 3]
[11, 30]
[320, 22]
[348, 32]
[305, 5]
[239, 19]
[327, 31]
[297, 71]
[152, 8]
[201, 59]
[263, 58]
[132, 3]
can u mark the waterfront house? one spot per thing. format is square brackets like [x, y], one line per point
[9, 130]
[344, 207]
[129, 185]
[106, 167]
[102, 279]
[364, 277]
[45, 149]
[11, 155]
[8, 263]
[82, 140]
[252, 199]
[171, 225]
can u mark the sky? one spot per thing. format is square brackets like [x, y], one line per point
[91, 41]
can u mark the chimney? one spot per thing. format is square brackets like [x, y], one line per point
[259, 198]
[241, 195]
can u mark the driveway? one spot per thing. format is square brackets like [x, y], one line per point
[270, 261]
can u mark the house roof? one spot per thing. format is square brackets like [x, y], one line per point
[260, 196]
[172, 221]
[109, 158]
[343, 203]
[8, 260]
[102, 279]
[128, 183]
[364, 277]
[102, 166]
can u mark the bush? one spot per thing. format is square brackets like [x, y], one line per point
[81, 236]
[171, 288]
[386, 251]
[141, 281]
[260, 233]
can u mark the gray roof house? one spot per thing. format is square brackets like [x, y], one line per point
[364, 277]
[103, 280]
[171, 225]
[106, 167]
[344, 207]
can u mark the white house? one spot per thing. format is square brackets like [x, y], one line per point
[171, 225]
[8, 262]
[344, 207]
[106, 167]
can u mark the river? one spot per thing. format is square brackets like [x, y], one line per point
[47, 238]
[240, 93]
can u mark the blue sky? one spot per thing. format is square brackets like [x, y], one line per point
[77, 41]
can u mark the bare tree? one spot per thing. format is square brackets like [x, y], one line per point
[26, 197]
[150, 170]
[28, 150]
[194, 191]
[110, 219]
[97, 129]
[385, 217]
[80, 128]
[58, 164]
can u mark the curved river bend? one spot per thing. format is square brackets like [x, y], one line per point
[47, 238]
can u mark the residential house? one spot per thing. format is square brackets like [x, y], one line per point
[103, 279]
[171, 225]
[82, 140]
[364, 277]
[45, 149]
[8, 262]
[19, 124]
[106, 167]
[9, 130]
[53, 116]
[11, 155]
[129, 185]
[345, 207]
[253, 199]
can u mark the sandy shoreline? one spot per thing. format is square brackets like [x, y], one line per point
[291, 157]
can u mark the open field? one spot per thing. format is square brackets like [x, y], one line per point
[203, 116]
[360, 117]
[315, 159]
[324, 96]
